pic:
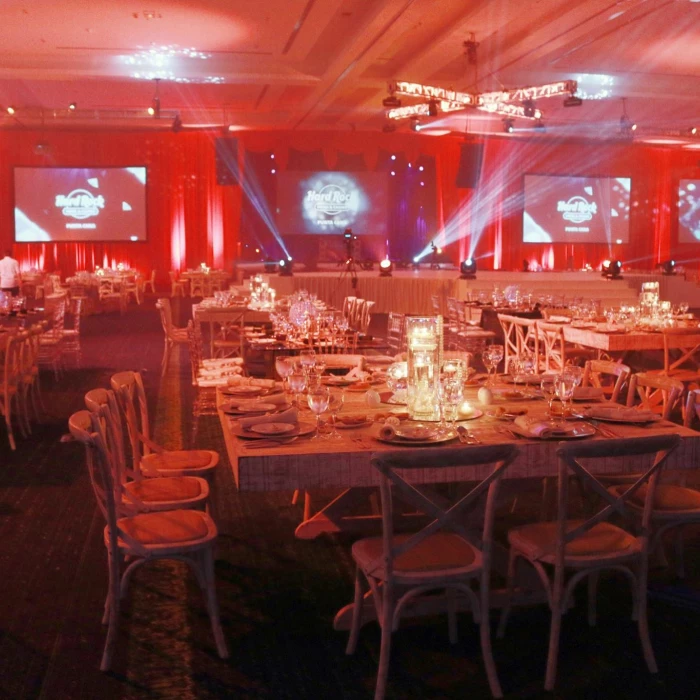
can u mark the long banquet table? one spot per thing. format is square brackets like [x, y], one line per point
[345, 464]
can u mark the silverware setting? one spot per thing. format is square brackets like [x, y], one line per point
[466, 437]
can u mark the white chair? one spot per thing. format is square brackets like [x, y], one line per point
[185, 535]
[177, 287]
[173, 335]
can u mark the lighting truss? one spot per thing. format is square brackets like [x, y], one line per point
[506, 103]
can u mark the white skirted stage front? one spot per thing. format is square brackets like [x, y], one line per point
[411, 291]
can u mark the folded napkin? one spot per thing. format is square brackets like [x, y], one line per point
[218, 363]
[588, 393]
[252, 381]
[559, 319]
[536, 428]
[387, 432]
[621, 413]
[228, 372]
[356, 373]
[277, 399]
[289, 416]
[208, 382]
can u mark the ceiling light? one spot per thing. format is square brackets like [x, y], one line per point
[11, 110]
[72, 106]
[508, 125]
[415, 124]
[693, 129]
[573, 101]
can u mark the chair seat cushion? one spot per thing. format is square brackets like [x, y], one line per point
[178, 460]
[172, 527]
[166, 489]
[439, 552]
[668, 497]
[601, 539]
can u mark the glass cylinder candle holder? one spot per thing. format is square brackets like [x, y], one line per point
[424, 344]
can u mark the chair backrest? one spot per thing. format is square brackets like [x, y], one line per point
[349, 308]
[56, 311]
[455, 311]
[395, 332]
[12, 374]
[365, 316]
[195, 345]
[131, 397]
[87, 428]
[687, 346]
[103, 403]
[166, 316]
[596, 371]
[520, 336]
[437, 305]
[692, 408]
[578, 459]
[655, 392]
[487, 465]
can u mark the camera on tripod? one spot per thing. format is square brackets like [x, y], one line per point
[350, 239]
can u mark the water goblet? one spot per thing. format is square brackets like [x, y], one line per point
[549, 391]
[335, 404]
[297, 383]
[515, 368]
[452, 397]
[564, 385]
[496, 357]
[307, 359]
[318, 400]
[284, 366]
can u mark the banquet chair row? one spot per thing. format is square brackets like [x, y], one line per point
[153, 508]
[454, 551]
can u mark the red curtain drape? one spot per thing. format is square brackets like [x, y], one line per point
[192, 219]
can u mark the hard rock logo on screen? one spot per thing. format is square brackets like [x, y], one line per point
[80, 204]
[577, 209]
[330, 206]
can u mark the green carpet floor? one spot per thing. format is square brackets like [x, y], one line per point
[278, 595]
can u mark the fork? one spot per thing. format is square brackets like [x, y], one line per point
[270, 443]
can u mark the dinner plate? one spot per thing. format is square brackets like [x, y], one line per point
[569, 431]
[345, 426]
[438, 439]
[523, 378]
[272, 428]
[624, 417]
[300, 428]
[258, 407]
[513, 395]
[334, 380]
[417, 432]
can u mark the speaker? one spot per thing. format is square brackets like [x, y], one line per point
[470, 165]
[227, 161]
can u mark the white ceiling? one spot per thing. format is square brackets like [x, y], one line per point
[325, 64]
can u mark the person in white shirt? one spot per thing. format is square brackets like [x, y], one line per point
[9, 274]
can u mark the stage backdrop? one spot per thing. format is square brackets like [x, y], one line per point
[192, 219]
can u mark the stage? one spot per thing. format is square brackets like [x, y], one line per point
[411, 291]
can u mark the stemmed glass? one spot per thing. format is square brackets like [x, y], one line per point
[297, 383]
[452, 397]
[515, 367]
[335, 404]
[318, 400]
[284, 366]
[307, 359]
[549, 391]
[491, 356]
[564, 385]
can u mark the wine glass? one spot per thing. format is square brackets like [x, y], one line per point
[297, 383]
[452, 397]
[335, 404]
[515, 367]
[318, 400]
[564, 385]
[549, 391]
[492, 357]
[307, 358]
[284, 365]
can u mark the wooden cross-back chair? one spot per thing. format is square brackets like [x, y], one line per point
[172, 335]
[134, 492]
[583, 549]
[681, 355]
[148, 456]
[557, 352]
[655, 393]
[597, 372]
[443, 555]
[185, 535]
[520, 336]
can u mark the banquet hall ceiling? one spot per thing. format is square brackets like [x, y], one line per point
[325, 64]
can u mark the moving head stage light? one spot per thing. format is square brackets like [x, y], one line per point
[467, 269]
[611, 269]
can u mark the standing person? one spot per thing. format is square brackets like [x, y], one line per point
[9, 274]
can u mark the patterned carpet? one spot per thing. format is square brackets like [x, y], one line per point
[278, 595]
